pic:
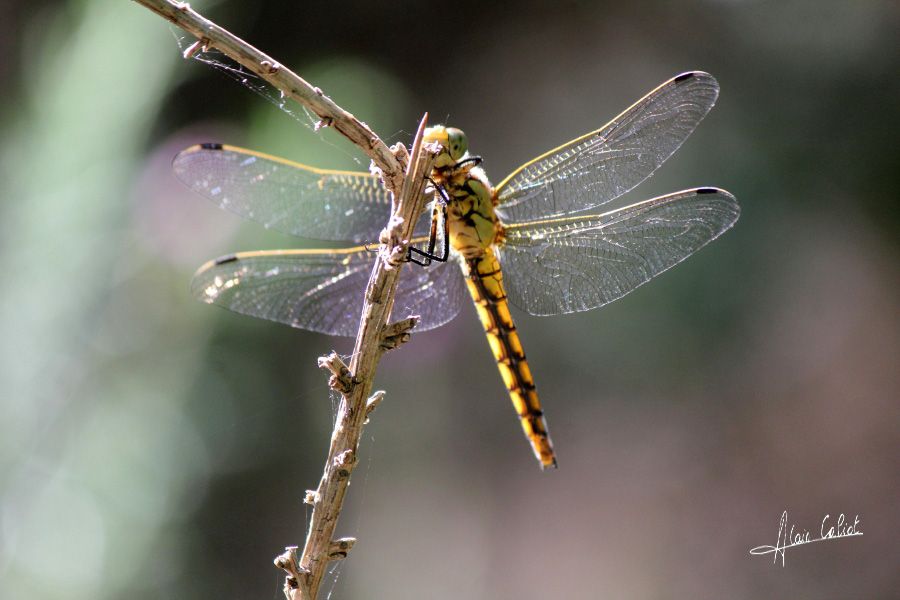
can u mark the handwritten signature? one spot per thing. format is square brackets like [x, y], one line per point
[831, 529]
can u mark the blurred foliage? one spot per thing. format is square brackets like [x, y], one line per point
[152, 447]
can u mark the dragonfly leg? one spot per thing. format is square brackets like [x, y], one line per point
[438, 215]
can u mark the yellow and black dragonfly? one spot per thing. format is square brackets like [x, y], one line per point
[527, 239]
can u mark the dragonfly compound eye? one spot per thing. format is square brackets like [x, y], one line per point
[457, 143]
[452, 140]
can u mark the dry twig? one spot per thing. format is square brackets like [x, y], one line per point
[305, 572]
[210, 35]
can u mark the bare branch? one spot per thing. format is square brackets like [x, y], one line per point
[210, 35]
[328, 498]
[404, 175]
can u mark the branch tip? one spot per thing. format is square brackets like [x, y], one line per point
[281, 78]
[288, 559]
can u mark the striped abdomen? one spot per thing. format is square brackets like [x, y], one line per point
[485, 282]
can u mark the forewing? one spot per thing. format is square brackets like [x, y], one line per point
[287, 196]
[604, 164]
[322, 290]
[572, 264]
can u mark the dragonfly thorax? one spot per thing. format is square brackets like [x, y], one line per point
[472, 224]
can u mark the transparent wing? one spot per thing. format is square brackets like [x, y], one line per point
[322, 290]
[287, 196]
[572, 264]
[604, 164]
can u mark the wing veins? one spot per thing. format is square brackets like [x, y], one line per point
[611, 160]
[570, 264]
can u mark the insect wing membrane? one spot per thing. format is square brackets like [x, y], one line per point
[287, 196]
[324, 290]
[577, 263]
[604, 164]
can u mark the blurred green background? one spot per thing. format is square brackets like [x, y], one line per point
[155, 447]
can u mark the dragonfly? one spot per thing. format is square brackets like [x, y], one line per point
[533, 240]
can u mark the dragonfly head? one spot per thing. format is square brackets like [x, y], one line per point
[453, 143]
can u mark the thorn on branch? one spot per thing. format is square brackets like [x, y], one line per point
[296, 575]
[397, 333]
[401, 152]
[201, 45]
[269, 67]
[373, 402]
[390, 235]
[341, 379]
[311, 497]
[344, 463]
[288, 559]
[339, 548]
[323, 123]
[398, 255]
[376, 171]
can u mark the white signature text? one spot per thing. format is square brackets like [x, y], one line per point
[830, 529]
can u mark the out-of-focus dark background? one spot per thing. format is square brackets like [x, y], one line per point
[155, 447]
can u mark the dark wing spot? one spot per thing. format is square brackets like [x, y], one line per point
[707, 190]
[226, 259]
[684, 76]
[211, 146]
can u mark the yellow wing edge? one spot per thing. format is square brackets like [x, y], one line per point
[345, 252]
[690, 192]
[498, 189]
[277, 159]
